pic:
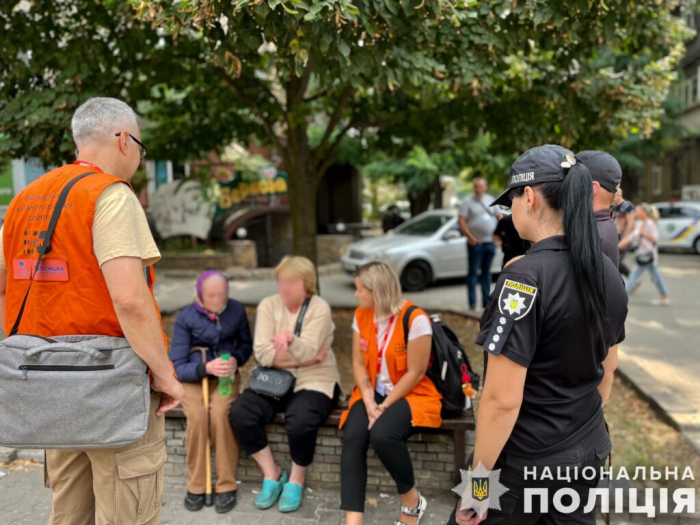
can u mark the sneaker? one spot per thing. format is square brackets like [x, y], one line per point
[194, 502]
[661, 302]
[224, 501]
[270, 491]
[291, 497]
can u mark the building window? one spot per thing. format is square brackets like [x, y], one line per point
[656, 179]
[688, 14]
[677, 175]
[687, 90]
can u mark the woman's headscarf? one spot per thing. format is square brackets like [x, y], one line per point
[199, 303]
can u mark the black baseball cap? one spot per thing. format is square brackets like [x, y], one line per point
[548, 163]
[604, 168]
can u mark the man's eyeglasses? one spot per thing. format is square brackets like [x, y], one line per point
[142, 148]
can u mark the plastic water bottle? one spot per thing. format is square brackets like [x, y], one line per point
[225, 382]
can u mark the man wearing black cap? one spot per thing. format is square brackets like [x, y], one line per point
[607, 175]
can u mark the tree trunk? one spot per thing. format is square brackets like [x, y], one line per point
[303, 187]
[421, 202]
[437, 194]
[302, 198]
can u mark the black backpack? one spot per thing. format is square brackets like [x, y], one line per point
[446, 360]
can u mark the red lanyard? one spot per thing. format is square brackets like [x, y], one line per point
[88, 165]
[382, 346]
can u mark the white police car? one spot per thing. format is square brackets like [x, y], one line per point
[679, 224]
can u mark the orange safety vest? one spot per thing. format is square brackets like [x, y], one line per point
[69, 295]
[424, 400]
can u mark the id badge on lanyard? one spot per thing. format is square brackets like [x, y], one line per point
[381, 348]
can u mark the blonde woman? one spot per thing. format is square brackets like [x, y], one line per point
[647, 255]
[393, 398]
[315, 393]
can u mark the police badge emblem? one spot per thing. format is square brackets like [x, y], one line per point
[516, 299]
[480, 489]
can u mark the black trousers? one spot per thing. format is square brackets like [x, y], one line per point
[624, 270]
[388, 438]
[304, 412]
[591, 451]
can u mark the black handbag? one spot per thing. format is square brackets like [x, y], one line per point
[645, 259]
[275, 382]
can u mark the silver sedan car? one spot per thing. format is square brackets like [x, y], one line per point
[421, 251]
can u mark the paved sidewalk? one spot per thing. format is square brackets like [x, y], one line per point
[25, 501]
[661, 355]
[337, 289]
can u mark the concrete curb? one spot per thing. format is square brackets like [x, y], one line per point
[626, 372]
[7, 454]
[238, 273]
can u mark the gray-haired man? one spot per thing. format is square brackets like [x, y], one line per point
[106, 250]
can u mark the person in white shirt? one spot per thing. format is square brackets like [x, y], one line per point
[477, 222]
[647, 255]
[393, 398]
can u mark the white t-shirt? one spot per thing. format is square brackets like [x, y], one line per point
[480, 216]
[419, 327]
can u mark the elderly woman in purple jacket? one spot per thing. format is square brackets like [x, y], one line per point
[220, 324]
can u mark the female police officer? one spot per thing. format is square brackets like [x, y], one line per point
[554, 315]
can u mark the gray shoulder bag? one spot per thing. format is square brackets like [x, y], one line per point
[275, 382]
[70, 391]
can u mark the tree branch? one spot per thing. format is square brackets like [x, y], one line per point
[303, 84]
[330, 158]
[252, 103]
[335, 118]
[316, 96]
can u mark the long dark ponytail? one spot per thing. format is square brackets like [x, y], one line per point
[574, 198]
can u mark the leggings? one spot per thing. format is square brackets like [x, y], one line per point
[388, 438]
[304, 412]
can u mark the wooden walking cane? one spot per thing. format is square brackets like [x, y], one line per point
[208, 500]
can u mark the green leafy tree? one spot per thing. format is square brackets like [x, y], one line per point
[405, 72]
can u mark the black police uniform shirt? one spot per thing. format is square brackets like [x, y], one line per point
[608, 235]
[512, 244]
[536, 318]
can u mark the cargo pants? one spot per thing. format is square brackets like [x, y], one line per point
[116, 486]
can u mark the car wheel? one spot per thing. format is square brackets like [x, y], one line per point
[696, 245]
[416, 276]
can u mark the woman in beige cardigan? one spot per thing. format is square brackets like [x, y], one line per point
[315, 393]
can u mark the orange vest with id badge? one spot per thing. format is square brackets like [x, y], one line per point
[424, 400]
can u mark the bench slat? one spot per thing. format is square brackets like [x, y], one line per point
[466, 422]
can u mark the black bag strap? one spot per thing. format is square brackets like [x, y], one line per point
[489, 211]
[407, 321]
[300, 319]
[46, 242]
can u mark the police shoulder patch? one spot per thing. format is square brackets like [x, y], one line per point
[516, 299]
